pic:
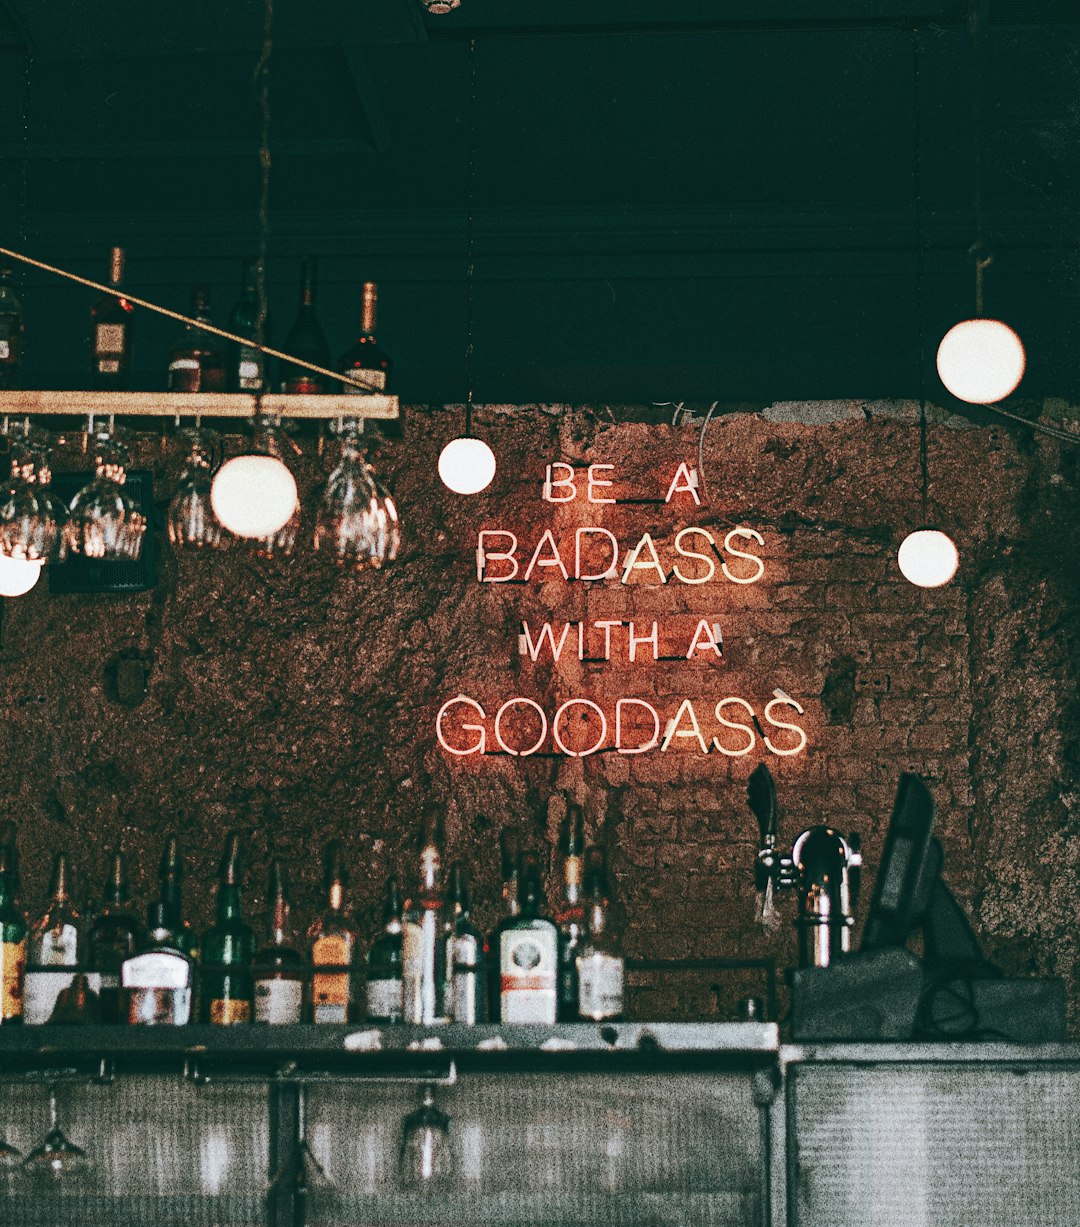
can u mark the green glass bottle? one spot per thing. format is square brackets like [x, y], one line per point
[527, 948]
[12, 940]
[171, 877]
[570, 916]
[227, 949]
[466, 988]
[384, 962]
[113, 937]
[278, 968]
[247, 365]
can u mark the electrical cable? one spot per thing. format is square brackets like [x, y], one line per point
[470, 237]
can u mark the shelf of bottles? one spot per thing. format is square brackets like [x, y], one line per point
[198, 404]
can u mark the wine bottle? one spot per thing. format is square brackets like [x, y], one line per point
[110, 333]
[11, 331]
[53, 949]
[227, 947]
[570, 916]
[12, 938]
[113, 937]
[171, 877]
[600, 962]
[306, 338]
[335, 946]
[365, 362]
[278, 968]
[247, 364]
[423, 953]
[384, 1001]
[196, 363]
[466, 989]
[527, 949]
[157, 981]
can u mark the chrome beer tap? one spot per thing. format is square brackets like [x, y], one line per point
[824, 867]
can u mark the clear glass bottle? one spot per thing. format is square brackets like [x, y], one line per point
[157, 981]
[527, 949]
[306, 338]
[570, 916]
[53, 949]
[110, 333]
[11, 331]
[600, 962]
[423, 952]
[227, 947]
[13, 934]
[384, 984]
[113, 937]
[335, 947]
[278, 968]
[196, 361]
[247, 364]
[466, 972]
[365, 361]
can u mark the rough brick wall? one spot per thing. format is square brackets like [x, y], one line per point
[297, 702]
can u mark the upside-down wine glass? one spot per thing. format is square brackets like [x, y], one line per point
[56, 1162]
[104, 521]
[192, 523]
[357, 520]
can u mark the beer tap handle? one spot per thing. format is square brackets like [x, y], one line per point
[761, 797]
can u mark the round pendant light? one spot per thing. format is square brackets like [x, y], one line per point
[981, 361]
[466, 465]
[254, 496]
[18, 575]
[928, 558]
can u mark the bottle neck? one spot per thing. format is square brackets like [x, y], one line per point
[573, 871]
[336, 896]
[367, 314]
[116, 266]
[430, 867]
[170, 896]
[279, 921]
[228, 902]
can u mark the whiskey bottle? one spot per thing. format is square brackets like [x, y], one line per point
[365, 362]
[335, 947]
[110, 333]
[278, 968]
[12, 939]
[196, 363]
[113, 937]
[570, 916]
[384, 1001]
[53, 949]
[510, 865]
[600, 962]
[306, 338]
[11, 331]
[466, 988]
[227, 947]
[247, 364]
[157, 981]
[423, 953]
[527, 949]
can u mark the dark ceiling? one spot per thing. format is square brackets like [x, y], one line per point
[674, 199]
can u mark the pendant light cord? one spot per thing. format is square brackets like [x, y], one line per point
[920, 256]
[470, 236]
[262, 94]
[980, 249]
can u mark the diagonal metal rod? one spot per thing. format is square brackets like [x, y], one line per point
[180, 318]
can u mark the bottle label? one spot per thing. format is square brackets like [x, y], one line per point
[12, 971]
[184, 364]
[168, 1006]
[600, 985]
[109, 339]
[249, 371]
[464, 1004]
[156, 969]
[330, 990]
[384, 1000]
[278, 1001]
[372, 381]
[40, 991]
[419, 992]
[58, 947]
[527, 976]
[5, 350]
[224, 1013]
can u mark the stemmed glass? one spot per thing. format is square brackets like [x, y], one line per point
[31, 516]
[357, 520]
[104, 520]
[56, 1162]
[425, 1160]
[192, 523]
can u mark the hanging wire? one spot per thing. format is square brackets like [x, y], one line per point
[262, 94]
[979, 250]
[24, 170]
[920, 257]
[470, 236]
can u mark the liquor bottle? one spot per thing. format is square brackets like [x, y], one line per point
[278, 968]
[466, 989]
[510, 864]
[570, 916]
[423, 952]
[53, 949]
[247, 365]
[227, 947]
[157, 981]
[171, 877]
[12, 939]
[306, 338]
[110, 333]
[600, 958]
[113, 937]
[335, 947]
[11, 331]
[196, 363]
[384, 1000]
[364, 362]
[527, 948]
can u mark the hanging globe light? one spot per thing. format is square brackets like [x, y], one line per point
[19, 575]
[928, 558]
[254, 495]
[981, 361]
[466, 465]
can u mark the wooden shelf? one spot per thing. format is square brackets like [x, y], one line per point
[197, 404]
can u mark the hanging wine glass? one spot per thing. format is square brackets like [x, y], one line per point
[425, 1161]
[357, 521]
[192, 523]
[104, 521]
[56, 1163]
[31, 516]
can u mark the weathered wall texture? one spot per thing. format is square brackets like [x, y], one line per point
[298, 702]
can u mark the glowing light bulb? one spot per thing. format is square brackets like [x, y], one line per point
[18, 575]
[254, 496]
[466, 466]
[981, 361]
[928, 558]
